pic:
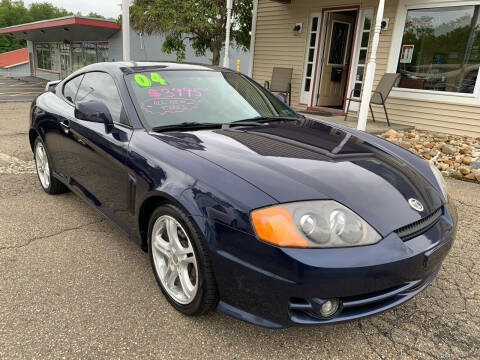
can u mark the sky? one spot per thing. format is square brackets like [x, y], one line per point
[107, 8]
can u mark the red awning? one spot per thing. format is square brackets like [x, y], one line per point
[14, 57]
[69, 28]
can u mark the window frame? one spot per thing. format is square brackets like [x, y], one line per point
[129, 125]
[63, 89]
[305, 96]
[398, 31]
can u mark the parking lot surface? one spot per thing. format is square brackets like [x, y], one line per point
[72, 286]
[20, 90]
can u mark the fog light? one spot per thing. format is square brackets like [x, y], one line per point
[329, 307]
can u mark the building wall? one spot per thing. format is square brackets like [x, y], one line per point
[16, 71]
[149, 47]
[277, 45]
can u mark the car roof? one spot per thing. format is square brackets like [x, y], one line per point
[137, 66]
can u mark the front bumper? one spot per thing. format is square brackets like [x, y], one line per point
[276, 287]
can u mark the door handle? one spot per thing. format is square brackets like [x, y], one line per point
[65, 125]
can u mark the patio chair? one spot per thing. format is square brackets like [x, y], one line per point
[379, 95]
[281, 82]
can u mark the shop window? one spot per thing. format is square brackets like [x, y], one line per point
[440, 49]
[46, 56]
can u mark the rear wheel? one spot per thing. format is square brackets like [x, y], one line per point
[44, 171]
[180, 262]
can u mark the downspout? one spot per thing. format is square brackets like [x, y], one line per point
[252, 37]
[370, 73]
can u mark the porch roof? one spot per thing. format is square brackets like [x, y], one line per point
[69, 28]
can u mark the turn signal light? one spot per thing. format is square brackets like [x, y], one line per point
[275, 225]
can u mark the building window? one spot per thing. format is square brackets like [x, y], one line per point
[361, 55]
[440, 49]
[46, 56]
[311, 52]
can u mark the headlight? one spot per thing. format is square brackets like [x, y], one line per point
[318, 224]
[440, 179]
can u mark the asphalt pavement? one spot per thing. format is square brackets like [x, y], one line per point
[20, 89]
[72, 286]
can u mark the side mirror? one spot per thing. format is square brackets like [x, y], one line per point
[50, 86]
[94, 111]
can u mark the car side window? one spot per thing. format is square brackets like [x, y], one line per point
[100, 86]
[71, 87]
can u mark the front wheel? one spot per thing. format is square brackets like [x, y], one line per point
[44, 171]
[180, 261]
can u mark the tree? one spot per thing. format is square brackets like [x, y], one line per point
[44, 11]
[95, 15]
[202, 22]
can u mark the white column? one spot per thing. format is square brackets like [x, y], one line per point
[126, 29]
[226, 60]
[252, 37]
[370, 73]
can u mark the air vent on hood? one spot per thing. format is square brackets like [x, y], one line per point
[418, 227]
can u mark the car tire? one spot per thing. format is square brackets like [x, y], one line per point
[194, 291]
[49, 184]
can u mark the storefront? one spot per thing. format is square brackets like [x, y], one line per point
[433, 44]
[59, 46]
[63, 58]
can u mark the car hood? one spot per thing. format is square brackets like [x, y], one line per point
[311, 160]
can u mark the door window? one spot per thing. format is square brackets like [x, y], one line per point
[100, 86]
[71, 87]
[338, 43]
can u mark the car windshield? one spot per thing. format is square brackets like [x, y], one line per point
[194, 96]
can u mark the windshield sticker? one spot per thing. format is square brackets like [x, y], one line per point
[157, 78]
[169, 93]
[166, 106]
[144, 81]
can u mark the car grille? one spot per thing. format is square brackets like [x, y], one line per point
[416, 228]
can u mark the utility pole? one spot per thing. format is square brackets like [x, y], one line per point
[126, 29]
[226, 60]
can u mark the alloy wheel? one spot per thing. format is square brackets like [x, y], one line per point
[174, 259]
[43, 168]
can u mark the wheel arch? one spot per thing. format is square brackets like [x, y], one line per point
[32, 135]
[148, 206]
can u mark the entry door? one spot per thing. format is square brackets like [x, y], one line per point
[65, 68]
[335, 65]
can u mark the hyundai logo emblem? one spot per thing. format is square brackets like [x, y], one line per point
[417, 205]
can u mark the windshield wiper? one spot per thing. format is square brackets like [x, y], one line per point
[186, 126]
[265, 119]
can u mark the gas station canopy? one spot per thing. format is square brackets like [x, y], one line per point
[69, 28]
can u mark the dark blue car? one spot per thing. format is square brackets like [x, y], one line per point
[244, 205]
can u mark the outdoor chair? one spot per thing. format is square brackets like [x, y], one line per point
[379, 95]
[281, 82]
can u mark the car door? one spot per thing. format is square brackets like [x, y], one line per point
[99, 171]
[57, 138]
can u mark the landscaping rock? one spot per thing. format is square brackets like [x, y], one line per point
[455, 156]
